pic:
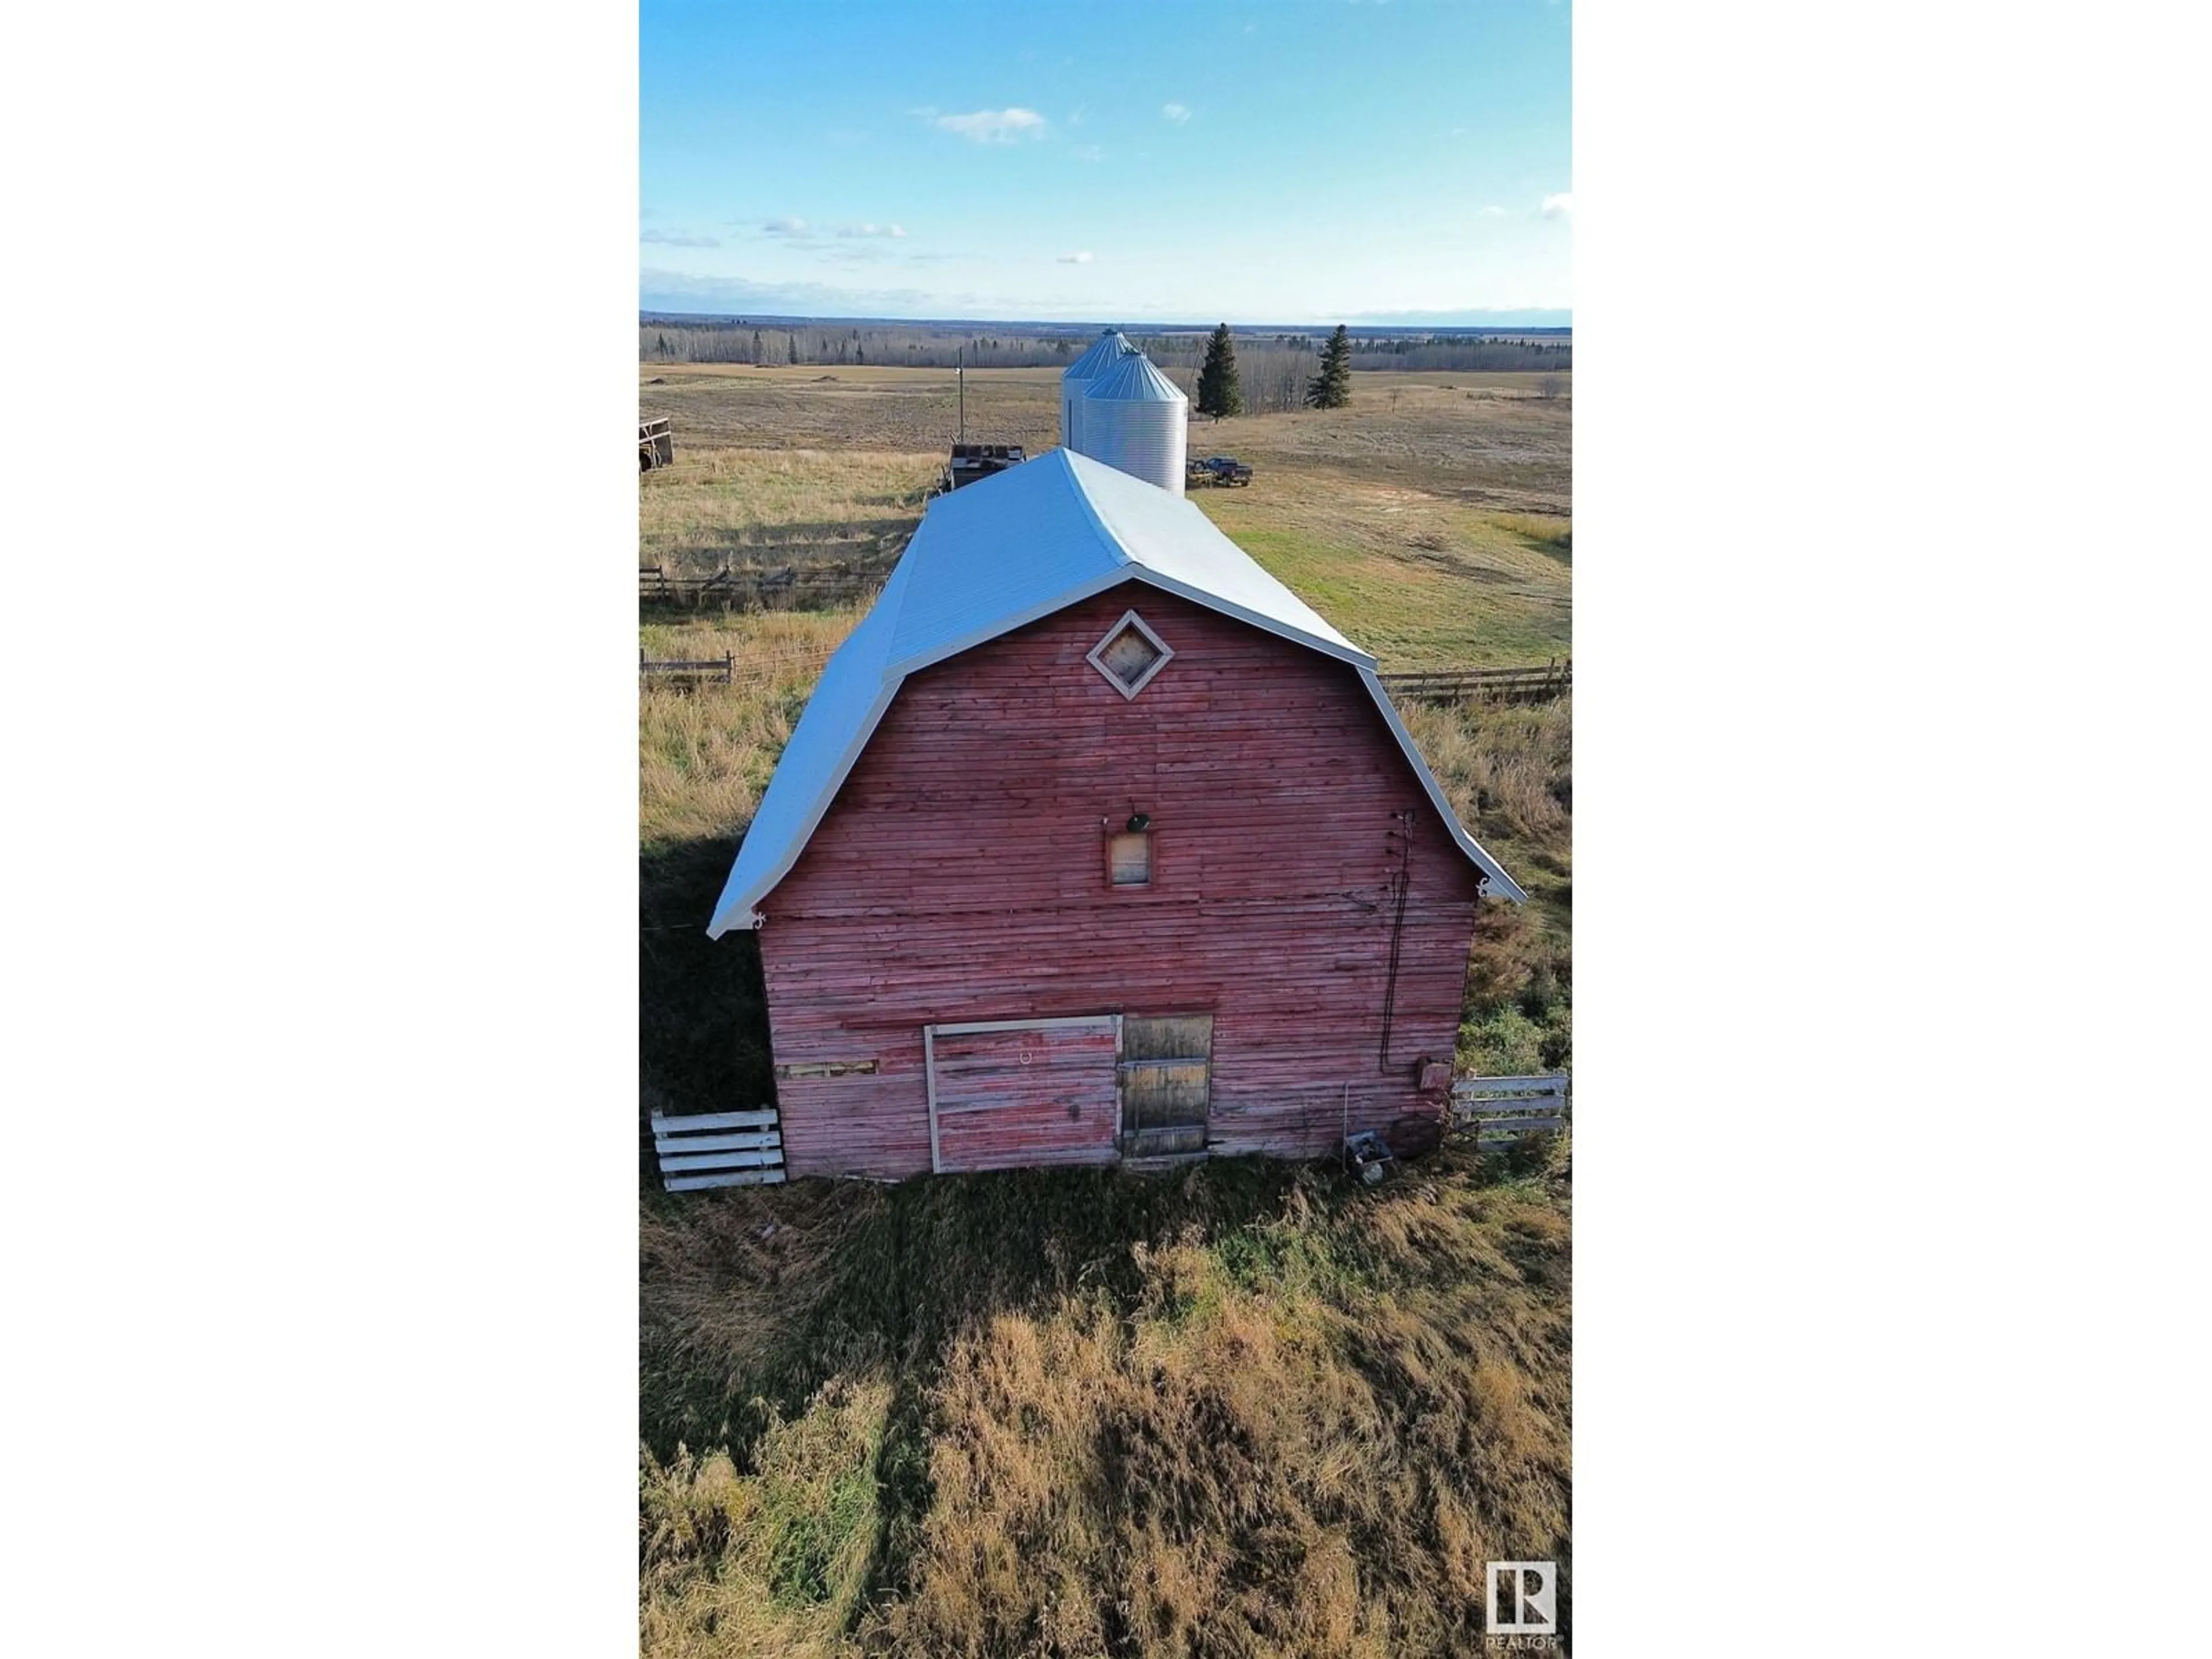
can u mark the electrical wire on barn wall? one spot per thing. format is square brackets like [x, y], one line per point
[1402, 879]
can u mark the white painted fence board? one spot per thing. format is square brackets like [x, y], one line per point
[721, 1161]
[760, 1119]
[750, 1141]
[719, 1149]
[734, 1178]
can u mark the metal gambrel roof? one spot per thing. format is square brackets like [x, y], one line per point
[991, 558]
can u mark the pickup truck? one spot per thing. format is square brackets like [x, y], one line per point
[1223, 472]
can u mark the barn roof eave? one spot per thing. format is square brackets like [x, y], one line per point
[739, 905]
[1502, 884]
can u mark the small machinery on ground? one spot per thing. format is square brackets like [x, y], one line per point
[972, 461]
[1368, 1155]
[656, 443]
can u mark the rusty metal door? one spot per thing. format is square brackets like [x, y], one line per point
[1008, 1094]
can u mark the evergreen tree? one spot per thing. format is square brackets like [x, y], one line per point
[760, 352]
[790, 347]
[1218, 394]
[1332, 387]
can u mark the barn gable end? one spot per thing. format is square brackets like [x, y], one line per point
[994, 558]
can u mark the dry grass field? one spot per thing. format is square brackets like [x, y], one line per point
[1251, 1410]
[1255, 1410]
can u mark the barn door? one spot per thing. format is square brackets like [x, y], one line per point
[1012, 1093]
[1167, 1084]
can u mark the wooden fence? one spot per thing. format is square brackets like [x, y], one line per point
[767, 587]
[719, 1149]
[1541, 684]
[1499, 1110]
[722, 668]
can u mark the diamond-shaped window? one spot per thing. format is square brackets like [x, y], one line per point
[1130, 655]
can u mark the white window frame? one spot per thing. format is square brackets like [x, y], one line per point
[1095, 657]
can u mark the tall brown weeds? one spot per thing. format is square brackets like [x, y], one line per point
[1297, 1420]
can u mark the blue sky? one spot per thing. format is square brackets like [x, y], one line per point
[1260, 160]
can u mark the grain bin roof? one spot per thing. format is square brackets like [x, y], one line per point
[1105, 352]
[991, 558]
[1133, 381]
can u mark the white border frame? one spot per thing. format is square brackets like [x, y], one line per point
[1166, 651]
[966, 1028]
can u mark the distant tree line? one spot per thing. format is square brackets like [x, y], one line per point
[1273, 368]
[1464, 352]
[740, 341]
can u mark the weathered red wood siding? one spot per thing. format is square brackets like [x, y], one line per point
[960, 876]
[1008, 1099]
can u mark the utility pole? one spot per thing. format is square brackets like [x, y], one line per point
[960, 375]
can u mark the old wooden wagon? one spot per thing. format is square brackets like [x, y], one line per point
[1097, 842]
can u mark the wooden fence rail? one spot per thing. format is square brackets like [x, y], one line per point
[1536, 684]
[722, 668]
[1499, 1110]
[719, 1149]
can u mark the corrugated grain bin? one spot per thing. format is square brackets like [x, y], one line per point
[1132, 418]
[1108, 349]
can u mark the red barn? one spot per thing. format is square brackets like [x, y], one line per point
[1095, 842]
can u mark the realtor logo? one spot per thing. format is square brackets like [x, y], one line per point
[1523, 1599]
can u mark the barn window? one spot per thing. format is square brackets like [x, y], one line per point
[1130, 655]
[1129, 859]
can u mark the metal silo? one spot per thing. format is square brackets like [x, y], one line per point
[1108, 349]
[1134, 417]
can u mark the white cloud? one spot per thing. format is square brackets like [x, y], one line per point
[1177, 112]
[1089, 153]
[994, 126]
[677, 238]
[785, 228]
[1493, 211]
[1082, 258]
[1561, 206]
[870, 229]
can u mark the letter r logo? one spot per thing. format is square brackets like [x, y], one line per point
[1529, 1606]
